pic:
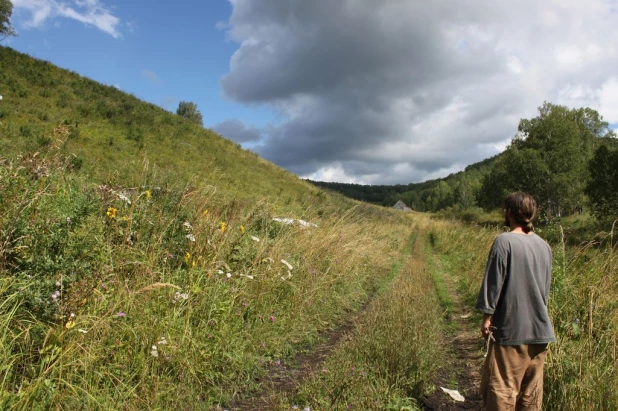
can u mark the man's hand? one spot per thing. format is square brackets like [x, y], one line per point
[486, 325]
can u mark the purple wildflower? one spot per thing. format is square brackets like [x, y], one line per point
[120, 314]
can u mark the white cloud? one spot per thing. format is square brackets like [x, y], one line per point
[89, 12]
[400, 91]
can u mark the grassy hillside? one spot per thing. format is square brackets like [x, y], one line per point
[112, 136]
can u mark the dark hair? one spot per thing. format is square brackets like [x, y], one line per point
[523, 208]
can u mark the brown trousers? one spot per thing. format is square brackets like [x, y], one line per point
[512, 377]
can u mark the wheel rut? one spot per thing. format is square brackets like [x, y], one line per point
[283, 380]
[465, 352]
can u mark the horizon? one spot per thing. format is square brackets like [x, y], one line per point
[330, 102]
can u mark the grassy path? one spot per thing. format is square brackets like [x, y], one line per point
[284, 380]
[414, 335]
[462, 339]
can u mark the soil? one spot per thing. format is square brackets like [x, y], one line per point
[466, 349]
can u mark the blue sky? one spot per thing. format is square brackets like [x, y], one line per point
[162, 55]
[359, 91]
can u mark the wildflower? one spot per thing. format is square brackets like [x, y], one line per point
[250, 277]
[55, 295]
[112, 212]
[222, 227]
[254, 238]
[124, 198]
[178, 296]
[187, 226]
[187, 257]
[193, 263]
[306, 409]
[288, 265]
[205, 213]
[147, 194]
[190, 237]
[273, 318]
[242, 229]
[71, 323]
[81, 330]
[295, 407]
[162, 341]
[120, 314]
[154, 351]
[220, 272]
[228, 275]
[68, 220]
[124, 218]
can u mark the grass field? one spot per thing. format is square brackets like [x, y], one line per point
[141, 268]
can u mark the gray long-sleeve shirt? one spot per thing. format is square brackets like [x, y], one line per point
[515, 289]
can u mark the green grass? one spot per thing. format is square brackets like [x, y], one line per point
[125, 227]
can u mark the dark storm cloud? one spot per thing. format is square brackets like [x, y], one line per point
[399, 91]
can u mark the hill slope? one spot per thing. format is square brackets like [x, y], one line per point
[113, 135]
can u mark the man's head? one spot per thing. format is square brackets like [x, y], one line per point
[520, 210]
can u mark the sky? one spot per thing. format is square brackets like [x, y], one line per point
[361, 91]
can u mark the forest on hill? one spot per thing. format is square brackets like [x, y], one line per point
[567, 158]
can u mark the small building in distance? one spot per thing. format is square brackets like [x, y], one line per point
[402, 206]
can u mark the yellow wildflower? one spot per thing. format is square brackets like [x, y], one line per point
[222, 227]
[242, 228]
[112, 212]
[147, 194]
[187, 257]
[193, 263]
[124, 218]
[205, 213]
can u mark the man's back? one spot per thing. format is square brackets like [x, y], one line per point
[515, 289]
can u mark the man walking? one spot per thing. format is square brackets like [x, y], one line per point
[513, 298]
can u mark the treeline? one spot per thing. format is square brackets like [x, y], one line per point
[566, 158]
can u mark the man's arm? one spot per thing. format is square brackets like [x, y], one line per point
[493, 280]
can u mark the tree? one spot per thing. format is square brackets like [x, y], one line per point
[6, 10]
[602, 189]
[188, 111]
[549, 159]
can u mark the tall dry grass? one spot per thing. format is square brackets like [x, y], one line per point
[393, 354]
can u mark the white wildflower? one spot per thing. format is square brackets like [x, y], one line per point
[162, 341]
[190, 237]
[254, 238]
[187, 226]
[154, 352]
[288, 265]
[81, 330]
[178, 296]
[250, 277]
[124, 198]
[228, 275]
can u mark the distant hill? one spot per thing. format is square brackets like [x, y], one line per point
[430, 195]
